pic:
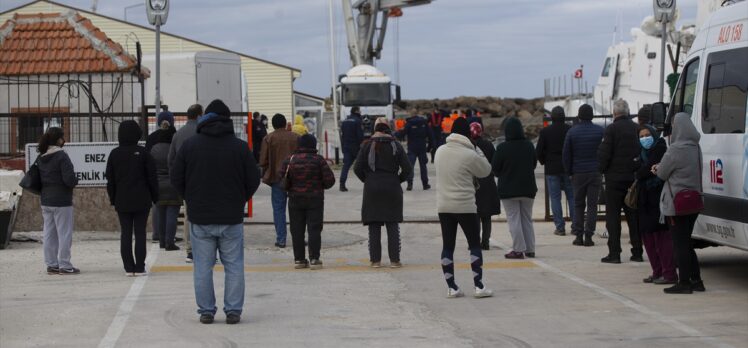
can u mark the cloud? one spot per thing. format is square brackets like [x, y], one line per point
[448, 48]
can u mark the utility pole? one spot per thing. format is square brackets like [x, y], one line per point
[157, 11]
[664, 12]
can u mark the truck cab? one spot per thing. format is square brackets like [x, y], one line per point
[371, 90]
[713, 89]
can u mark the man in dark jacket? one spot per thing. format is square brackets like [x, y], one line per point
[580, 162]
[351, 136]
[216, 174]
[152, 139]
[550, 150]
[420, 138]
[132, 186]
[619, 159]
[309, 177]
[187, 131]
[276, 147]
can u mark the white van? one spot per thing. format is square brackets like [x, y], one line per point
[713, 88]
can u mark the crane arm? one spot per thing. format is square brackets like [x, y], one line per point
[360, 31]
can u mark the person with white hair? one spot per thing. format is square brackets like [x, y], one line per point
[618, 158]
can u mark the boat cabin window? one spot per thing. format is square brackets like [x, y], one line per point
[606, 66]
[726, 92]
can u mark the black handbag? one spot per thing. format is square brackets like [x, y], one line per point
[32, 180]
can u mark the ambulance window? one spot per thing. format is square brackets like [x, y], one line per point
[606, 67]
[726, 92]
[686, 93]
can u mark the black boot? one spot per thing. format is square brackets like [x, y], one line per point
[611, 259]
[680, 288]
[578, 240]
[485, 245]
[410, 186]
[637, 255]
[343, 188]
[588, 240]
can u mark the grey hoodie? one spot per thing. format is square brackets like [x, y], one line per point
[680, 167]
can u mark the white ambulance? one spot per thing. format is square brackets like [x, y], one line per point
[713, 88]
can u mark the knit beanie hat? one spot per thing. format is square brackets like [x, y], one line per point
[585, 112]
[219, 108]
[307, 141]
[165, 116]
[476, 130]
[461, 127]
[558, 114]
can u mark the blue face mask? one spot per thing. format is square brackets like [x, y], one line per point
[647, 142]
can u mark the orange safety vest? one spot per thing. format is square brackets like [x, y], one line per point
[399, 124]
[447, 125]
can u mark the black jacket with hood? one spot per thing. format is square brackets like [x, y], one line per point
[131, 173]
[550, 146]
[215, 173]
[514, 163]
[58, 178]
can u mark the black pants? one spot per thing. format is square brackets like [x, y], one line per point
[133, 223]
[423, 161]
[681, 228]
[471, 227]
[306, 214]
[375, 241]
[586, 190]
[485, 222]
[615, 195]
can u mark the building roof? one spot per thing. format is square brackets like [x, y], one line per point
[151, 29]
[59, 43]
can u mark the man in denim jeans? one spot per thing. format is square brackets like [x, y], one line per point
[276, 147]
[216, 174]
[550, 150]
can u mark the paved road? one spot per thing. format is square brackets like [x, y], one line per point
[564, 298]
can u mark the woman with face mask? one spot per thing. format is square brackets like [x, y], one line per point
[58, 180]
[655, 236]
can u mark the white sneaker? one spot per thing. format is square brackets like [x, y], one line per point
[129, 274]
[603, 234]
[140, 274]
[452, 293]
[481, 293]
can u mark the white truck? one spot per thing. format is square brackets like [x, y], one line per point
[713, 89]
[198, 77]
[371, 90]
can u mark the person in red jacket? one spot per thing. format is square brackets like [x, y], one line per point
[307, 176]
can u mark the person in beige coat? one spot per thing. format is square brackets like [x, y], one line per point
[459, 164]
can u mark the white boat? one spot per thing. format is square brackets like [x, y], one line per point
[631, 69]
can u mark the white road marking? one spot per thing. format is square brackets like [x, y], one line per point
[626, 302]
[125, 308]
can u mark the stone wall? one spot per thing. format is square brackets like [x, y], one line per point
[91, 206]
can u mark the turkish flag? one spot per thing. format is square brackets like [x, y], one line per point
[578, 74]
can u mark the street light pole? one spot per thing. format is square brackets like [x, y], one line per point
[158, 68]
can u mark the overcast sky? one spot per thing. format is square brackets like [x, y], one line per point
[503, 48]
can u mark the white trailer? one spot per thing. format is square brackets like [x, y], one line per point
[198, 77]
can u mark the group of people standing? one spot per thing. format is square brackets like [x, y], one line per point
[206, 167]
[630, 158]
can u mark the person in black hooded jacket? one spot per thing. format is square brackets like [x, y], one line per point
[550, 150]
[216, 174]
[132, 187]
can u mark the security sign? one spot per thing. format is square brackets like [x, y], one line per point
[157, 11]
[89, 161]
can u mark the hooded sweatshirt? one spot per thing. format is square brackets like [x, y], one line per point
[514, 163]
[215, 173]
[681, 166]
[458, 164]
[131, 173]
[550, 147]
[58, 178]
